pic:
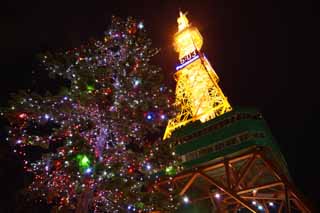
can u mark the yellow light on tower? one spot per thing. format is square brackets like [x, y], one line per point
[187, 39]
[198, 95]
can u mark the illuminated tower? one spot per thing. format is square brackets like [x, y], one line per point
[230, 158]
[198, 95]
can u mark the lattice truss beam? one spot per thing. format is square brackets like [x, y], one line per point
[198, 95]
[250, 181]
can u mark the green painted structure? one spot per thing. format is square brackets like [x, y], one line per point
[229, 135]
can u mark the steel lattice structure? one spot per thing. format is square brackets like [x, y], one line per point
[231, 163]
[198, 95]
[240, 180]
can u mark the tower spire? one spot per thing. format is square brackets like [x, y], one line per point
[183, 21]
[198, 95]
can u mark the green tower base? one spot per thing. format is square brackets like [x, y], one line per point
[233, 163]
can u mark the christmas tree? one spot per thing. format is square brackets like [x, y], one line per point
[100, 136]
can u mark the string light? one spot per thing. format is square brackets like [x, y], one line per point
[46, 116]
[148, 166]
[150, 116]
[185, 199]
[88, 170]
[130, 207]
[217, 195]
[97, 127]
[22, 115]
[140, 25]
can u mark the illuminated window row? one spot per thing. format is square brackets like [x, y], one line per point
[220, 125]
[222, 145]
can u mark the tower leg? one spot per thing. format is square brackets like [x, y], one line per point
[288, 207]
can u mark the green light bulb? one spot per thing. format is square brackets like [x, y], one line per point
[90, 88]
[83, 160]
[170, 170]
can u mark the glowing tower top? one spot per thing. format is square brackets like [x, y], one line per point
[188, 38]
[198, 95]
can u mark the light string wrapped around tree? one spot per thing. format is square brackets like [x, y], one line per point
[101, 136]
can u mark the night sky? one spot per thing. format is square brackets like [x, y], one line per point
[263, 51]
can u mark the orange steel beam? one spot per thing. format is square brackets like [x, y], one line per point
[245, 172]
[220, 164]
[281, 207]
[187, 186]
[201, 198]
[294, 195]
[243, 166]
[209, 168]
[254, 179]
[183, 175]
[215, 203]
[190, 173]
[259, 187]
[242, 157]
[231, 194]
[235, 176]
[227, 171]
[207, 197]
[261, 198]
[287, 199]
[234, 173]
[250, 154]
[212, 167]
[299, 202]
[299, 206]
[265, 207]
[178, 177]
[205, 168]
[271, 167]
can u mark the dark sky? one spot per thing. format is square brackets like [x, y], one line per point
[264, 52]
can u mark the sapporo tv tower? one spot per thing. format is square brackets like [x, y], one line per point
[231, 161]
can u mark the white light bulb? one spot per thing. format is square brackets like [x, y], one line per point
[185, 199]
[148, 166]
[140, 25]
[217, 195]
